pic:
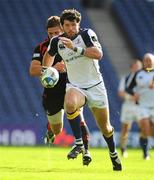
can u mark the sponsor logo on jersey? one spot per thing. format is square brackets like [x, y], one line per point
[94, 38]
[36, 55]
[73, 58]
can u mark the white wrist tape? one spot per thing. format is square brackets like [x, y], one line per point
[79, 50]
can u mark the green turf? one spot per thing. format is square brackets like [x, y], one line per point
[42, 163]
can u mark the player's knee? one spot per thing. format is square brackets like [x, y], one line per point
[70, 106]
[108, 131]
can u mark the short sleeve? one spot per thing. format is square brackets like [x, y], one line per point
[53, 46]
[90, 38]
[122, 84]
[37, 54]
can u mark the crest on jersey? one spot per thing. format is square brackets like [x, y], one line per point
[94, 38]
[61, 46]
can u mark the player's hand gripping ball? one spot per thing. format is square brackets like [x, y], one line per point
[50, 77]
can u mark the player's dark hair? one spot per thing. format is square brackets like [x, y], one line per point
[70, 15]
[53, 21]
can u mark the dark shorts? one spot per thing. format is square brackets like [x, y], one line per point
[53, 103]
[53, 99]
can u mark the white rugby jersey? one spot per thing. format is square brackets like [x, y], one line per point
[143, 80]
[82, 71]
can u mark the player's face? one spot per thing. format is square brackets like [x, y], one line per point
[71, 28]
[136, 66]
[54, 31]
[147, 63]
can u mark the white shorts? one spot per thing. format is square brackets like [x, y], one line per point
[145, 112]
[95, 96]
[129, 113]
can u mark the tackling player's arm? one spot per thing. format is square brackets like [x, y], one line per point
[48, 58]
[35, 68]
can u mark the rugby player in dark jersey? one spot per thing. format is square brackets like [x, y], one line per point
[53, 98]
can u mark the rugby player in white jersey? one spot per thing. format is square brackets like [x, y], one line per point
[81, 53]
[129, 109]
[144, 90]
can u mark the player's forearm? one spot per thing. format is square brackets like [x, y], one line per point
[35, 72]
[35, 68]
[93, 53]
[125, 96]
[121, 94]
[47, 60]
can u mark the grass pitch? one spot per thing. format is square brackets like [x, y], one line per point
[44, 163]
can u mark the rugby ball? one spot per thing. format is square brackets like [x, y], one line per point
[50, 77]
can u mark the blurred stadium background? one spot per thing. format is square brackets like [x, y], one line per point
[126, 31]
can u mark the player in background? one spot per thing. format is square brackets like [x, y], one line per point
[144, 91]
[129, 109]
[148, 61]
[53, 98]
[81, 53]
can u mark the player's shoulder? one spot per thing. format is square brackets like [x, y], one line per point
[86, 31]
[45, 42]
[140, 71]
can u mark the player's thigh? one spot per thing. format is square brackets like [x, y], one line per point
[53, 103]
[97, 97]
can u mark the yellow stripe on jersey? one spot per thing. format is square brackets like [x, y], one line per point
[72, 116]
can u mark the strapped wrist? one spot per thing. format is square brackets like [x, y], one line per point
[79, 50]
